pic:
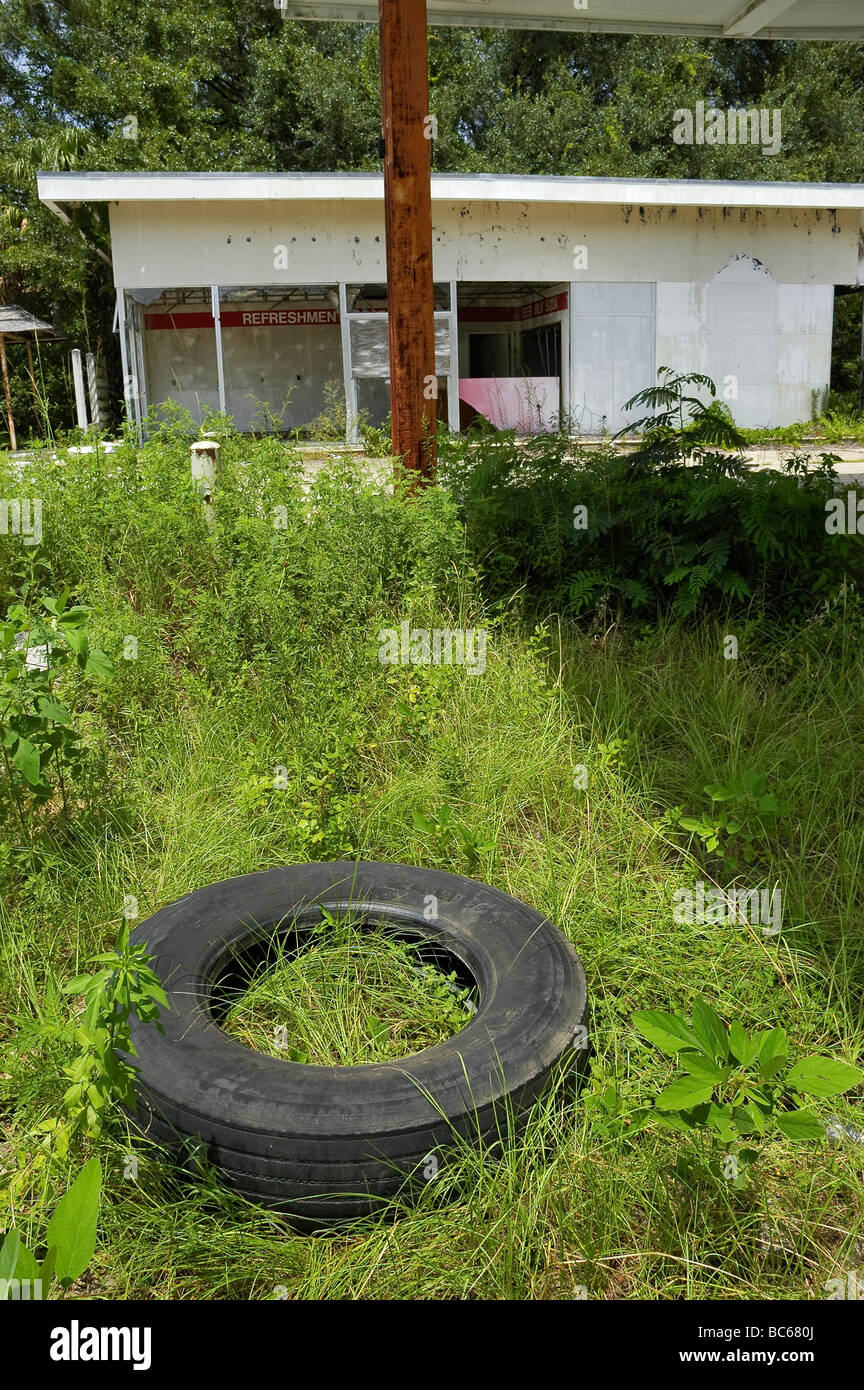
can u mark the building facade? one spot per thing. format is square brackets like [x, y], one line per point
[557, 299]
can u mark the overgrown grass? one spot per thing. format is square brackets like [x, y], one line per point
[344, 996]
[838, 425]
[257, 727]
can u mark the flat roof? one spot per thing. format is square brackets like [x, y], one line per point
[745, 19]
[56, 189]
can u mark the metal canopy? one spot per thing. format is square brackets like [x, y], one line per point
[17, 325]
[731, 19]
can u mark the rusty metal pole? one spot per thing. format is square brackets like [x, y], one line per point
[408, 218]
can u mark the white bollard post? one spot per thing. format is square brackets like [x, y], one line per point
[93, 390]
[204, 462]
[80, 397]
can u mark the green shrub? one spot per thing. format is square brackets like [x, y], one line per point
[681, 524]
[39, 743]
[734, 1085]
[70, 1238]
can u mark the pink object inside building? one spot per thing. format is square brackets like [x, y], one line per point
[527, 404]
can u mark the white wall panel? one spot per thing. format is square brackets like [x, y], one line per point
[612, 352]
[774, 338]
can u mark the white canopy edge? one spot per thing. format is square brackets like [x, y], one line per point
[836, 20]
[71, 188]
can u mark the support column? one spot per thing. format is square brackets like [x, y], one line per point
[141, 365]
[571, 335]
[453, 377]
[220, 365]
[564, 420]
[408, 219]
[130, 384]
[352, 435]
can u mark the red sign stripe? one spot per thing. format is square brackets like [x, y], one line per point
[508, 313]
[245, 318]
[292, 318]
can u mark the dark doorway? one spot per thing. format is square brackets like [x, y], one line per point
[489, 354]
[541, 351]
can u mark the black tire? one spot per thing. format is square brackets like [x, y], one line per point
[326, 1143]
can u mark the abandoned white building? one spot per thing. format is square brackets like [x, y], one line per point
[556, 298]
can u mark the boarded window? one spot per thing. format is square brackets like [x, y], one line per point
[370, 351]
